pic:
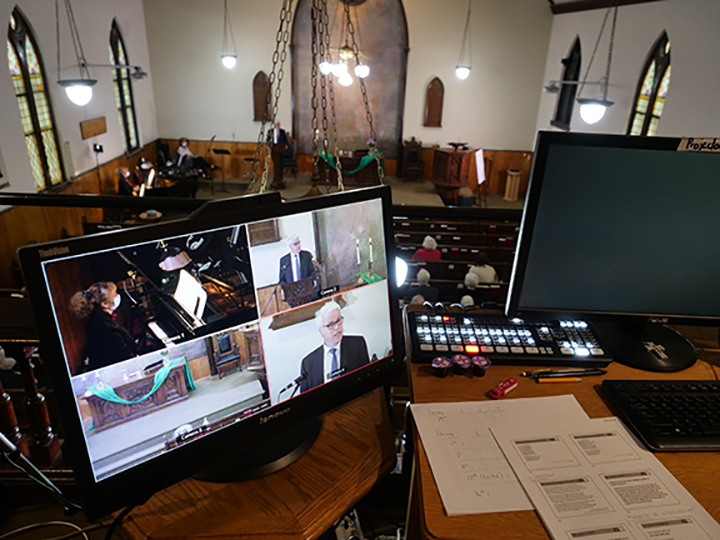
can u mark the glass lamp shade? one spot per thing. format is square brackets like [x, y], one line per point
[592, 110]
[362, 70]
[229, 60]
[325, 68]
[462, 72]
[79, 91]
[339, 69]
[345, 79]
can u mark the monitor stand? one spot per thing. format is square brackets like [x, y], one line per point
[650, 347]
[275, 453]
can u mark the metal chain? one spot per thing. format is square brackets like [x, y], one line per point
[281, 40]
[323, 95]
[313, 83]
[592, 57]
[368, 114]
[336, 149]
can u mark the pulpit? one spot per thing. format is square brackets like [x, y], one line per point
[451, 171]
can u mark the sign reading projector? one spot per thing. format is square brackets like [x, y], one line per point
[691, 144]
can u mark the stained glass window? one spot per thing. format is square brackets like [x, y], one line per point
[652, 90]
[26, 72]
[123, 89]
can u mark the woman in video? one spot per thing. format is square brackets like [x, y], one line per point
[106, 342]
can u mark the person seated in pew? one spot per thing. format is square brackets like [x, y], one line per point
[483, 270]
[467, 301]
[428, 251]
[470, 288]
[424, 289]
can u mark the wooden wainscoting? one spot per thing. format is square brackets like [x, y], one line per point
[21, 225]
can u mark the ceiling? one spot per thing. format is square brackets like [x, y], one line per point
[571, 6]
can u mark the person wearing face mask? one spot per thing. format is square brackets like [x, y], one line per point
[187, 158]
[106, 340]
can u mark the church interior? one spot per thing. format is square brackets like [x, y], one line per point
[442, 101]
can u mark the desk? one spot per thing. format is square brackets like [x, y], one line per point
[699, 472]
[353, 451]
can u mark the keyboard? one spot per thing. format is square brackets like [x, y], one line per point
[670, 415]
[505, 341]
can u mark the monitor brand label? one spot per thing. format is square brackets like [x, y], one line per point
[53, 251]
[273, 416]
[693, 144]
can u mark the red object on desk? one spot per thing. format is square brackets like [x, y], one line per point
[503, 388]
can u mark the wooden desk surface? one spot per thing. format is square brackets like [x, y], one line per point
[353, 451]
[699, 472]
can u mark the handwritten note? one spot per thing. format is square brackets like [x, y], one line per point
[469, 468]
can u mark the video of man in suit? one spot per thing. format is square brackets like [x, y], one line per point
[310, 256]
[147, 405]
[326, 340]
[129, 301]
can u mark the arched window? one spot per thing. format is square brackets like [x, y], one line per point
[566, 97]
[434, 96]
[28, 79]
[651, 90]
[123, 89]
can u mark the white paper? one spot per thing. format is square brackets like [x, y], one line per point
[480, 166]
[592, 480]
[470, 470]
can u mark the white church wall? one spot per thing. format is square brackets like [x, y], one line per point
[691, 25]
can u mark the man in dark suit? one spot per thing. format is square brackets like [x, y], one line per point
[278, 137]
[337, 355]
[296, 265]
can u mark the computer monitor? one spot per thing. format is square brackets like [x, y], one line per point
[623, 231]
[151, 389]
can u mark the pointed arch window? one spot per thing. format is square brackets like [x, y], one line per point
[123, 89]
[652, 90]
[566, 97]
[28, 78]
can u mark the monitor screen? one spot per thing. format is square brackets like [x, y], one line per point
[619, 228]
[177, 345]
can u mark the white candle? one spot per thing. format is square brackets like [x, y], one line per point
[357, 250]
[371, 251]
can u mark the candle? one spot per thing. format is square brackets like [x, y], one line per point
[357, 250]
[371, 250]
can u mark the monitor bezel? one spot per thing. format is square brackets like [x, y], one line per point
[545, 140]
[136, 485]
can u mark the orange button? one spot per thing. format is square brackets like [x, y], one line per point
[472, 349]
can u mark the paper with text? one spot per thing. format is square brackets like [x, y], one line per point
[591, 480]
[469, 468]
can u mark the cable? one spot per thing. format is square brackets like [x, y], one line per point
[117, 521]
[45, 524]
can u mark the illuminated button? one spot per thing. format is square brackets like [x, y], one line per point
[426, 347]
[597, 352]
[456, 348]
[487, 348]
[581, 351]
[472, 349]
[531, 350]
[517, 350]
[502, 350]
[423, 318]
[487, 341]
[442, 348]
[501, 340]
[565, 350]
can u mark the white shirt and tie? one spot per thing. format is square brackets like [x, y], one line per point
[331, 362]
[295, 257]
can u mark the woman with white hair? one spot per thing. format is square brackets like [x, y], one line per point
[470, 288]
[428, 251]
[424, 288]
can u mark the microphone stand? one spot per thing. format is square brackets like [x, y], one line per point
[21, 463]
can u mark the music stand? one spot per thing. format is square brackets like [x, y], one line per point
[223, 153]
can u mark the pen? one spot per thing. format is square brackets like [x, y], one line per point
[553, 374]
[559, 379]
[569, 371]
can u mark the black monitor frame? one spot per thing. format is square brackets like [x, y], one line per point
[626, 331]
[136, 485]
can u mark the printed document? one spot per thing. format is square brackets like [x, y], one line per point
[591, 480]
[469, 468]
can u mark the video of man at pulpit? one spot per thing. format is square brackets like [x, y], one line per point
[306, 257]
